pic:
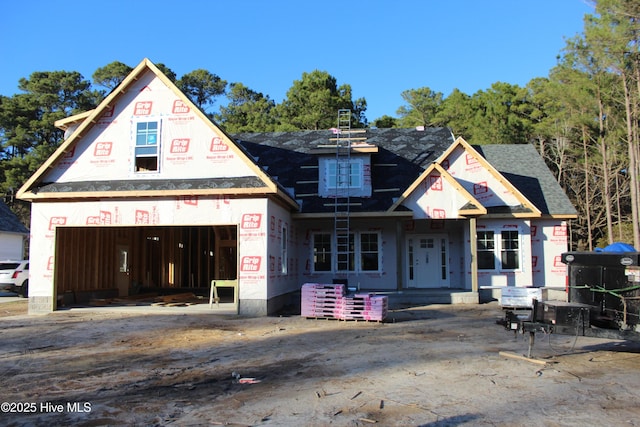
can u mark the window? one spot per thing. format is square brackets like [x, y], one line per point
[348, 176]
[344, 174]
[510, 254]
[147, 147]
[283, 252]
[443, 259]
[502, 254]
[486, 246]
[345, 254]
[411, 259]
[426, 243]
[369, 253]
[358, 252]
[322, 252]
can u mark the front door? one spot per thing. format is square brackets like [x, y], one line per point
[427, 261]
[123, 277]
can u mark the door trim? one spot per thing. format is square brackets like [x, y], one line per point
[442, 243]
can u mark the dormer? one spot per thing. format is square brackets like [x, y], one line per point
[344, 165]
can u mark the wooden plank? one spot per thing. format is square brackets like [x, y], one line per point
[342, 204]
[187, 296]
[356, 148]
[520, 357]
[359, 138]
[356, 130]
[384, 190]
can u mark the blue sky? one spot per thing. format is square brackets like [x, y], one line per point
[380, 48]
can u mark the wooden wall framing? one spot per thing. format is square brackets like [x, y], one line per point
[87, 259]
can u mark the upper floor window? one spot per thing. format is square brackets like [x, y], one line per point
[344, 173]
[344, 176]
[147, 146]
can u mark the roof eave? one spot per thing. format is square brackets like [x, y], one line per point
[40, 196]
[376, 214]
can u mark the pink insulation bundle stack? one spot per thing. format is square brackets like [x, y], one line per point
[365, 307]
[320, 300]
[331, 301]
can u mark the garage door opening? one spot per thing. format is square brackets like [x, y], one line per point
[108, 262]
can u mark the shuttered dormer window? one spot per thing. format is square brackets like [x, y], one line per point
[147, 146]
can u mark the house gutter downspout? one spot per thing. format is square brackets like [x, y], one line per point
[474, 254]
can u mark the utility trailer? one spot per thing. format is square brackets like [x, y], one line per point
[603, 300]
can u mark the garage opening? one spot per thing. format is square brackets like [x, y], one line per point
[107, 262]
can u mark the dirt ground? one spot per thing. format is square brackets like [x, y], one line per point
[436, 365]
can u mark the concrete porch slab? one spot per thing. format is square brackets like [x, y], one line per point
[428, 296]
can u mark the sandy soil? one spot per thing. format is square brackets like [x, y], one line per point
[437, 365]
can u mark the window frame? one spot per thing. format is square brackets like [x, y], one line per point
[506, 253]
[144, 154]
[325, 254]
[357, 252]
[488, 250]
[507, 248]
[356, 173]
[363, 252]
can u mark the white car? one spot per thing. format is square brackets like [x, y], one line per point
[14, 276]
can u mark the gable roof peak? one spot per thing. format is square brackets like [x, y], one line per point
[81, 125]
[87, 119]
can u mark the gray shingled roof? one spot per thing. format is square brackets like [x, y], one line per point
[9, 222]
[525, 169]
[284, 156]
[403, 154]
[150, 184]
[289, 158]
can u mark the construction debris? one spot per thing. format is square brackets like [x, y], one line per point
[176, 300]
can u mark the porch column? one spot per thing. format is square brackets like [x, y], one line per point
[474, 254]
[399, 257]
